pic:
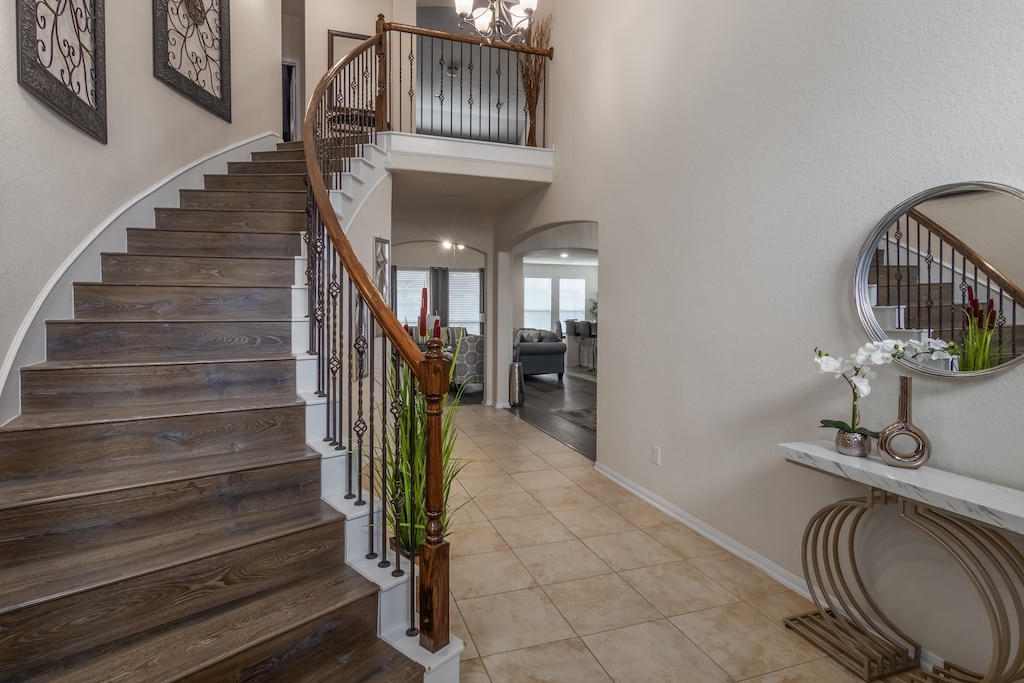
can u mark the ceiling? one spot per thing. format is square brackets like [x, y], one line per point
[553, 257]
[473, 195]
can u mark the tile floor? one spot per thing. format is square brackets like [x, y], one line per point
[560, 575]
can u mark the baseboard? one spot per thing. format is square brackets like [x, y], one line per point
[55, 300]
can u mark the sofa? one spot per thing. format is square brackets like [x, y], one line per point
[541, 352]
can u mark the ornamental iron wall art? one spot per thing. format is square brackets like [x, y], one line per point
[61, 59]
[192, 50]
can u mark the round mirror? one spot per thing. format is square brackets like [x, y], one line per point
[948, 264]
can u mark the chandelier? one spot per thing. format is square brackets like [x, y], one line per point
[501, 20]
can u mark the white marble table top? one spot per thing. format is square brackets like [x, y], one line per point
[978, 500]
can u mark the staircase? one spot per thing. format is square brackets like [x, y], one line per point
[160, 511]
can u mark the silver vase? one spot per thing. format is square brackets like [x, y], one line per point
[852, 443]
[902, 433]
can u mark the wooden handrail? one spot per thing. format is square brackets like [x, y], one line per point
[379, 308]
[993, 273]
[431, 370]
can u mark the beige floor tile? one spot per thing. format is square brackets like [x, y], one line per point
[481, 429]
[525, 463]
[738, 577]
[743, 641]
[566, 458]
[569, 497]
[466, 512]
[600, 603]
[609, 493]
[642, 514]
[653, 652]
[781, 605]
[562, 561]
[505, 505]
[499, 453]
[458, 628]
[512, 621]
[544, 444]
[682, 540]
[567, 661]
[593, 521]
[531, 530]
[818, 671]
[676, 588]
[542, 479]
[584, 474]
[493, 484]
[475, 538]
[630, 550]
[484, 467]
[485, 574]
[473, 671]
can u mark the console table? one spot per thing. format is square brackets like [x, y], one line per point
[963, 515]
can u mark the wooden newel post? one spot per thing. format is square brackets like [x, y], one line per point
[381, 101]
[433, 584]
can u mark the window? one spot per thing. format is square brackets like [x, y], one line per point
[464, 300]
[409, 284]
[537, 302]
[572, 299]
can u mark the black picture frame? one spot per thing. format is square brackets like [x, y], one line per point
[63, 92]
[172, 40]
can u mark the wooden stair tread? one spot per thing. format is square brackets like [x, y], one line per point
[32, 582]
[114, 363]
[110, 320]
[66, 484]
[67, 418]
[189, 646]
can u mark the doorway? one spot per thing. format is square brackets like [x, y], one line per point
[291, 101]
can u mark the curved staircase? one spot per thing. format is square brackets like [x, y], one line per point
[160, 512]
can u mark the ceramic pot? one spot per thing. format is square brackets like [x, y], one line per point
[852, 443]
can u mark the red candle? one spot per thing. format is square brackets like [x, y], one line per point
[437, 328]
[423, 313]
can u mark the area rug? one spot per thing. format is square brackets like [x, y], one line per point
[581, 417]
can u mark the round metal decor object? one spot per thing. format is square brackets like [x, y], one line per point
[903, 430]
[853, 444]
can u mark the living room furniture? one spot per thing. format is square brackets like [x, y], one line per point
[466, 354]
[540, 351]
[965, 516]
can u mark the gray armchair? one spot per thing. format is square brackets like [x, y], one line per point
[541, 352]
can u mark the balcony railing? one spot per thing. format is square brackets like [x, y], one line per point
[403, 79]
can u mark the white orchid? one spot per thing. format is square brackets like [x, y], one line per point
[856, 373]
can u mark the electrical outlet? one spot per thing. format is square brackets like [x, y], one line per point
[656, 455]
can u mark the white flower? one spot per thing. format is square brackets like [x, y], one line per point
[861, 385]
[878, 353]
[936, 349]
[832, 364]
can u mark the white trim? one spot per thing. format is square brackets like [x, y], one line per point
[409, 152]
[83, 264]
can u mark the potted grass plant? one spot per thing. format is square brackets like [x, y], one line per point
[405, 460]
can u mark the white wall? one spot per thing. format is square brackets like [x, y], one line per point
[744, 175]
[351, 16]
[58, 184]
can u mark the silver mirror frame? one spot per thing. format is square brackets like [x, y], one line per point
[860, 277]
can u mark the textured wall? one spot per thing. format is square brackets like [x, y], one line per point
[735, 155]
[57, 184]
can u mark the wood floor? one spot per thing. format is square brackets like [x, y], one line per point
[544, 393]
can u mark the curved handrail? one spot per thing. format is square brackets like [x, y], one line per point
[379, 308]
[993, 273]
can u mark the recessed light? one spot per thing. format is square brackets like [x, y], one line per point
[564, 255]
[446, 244]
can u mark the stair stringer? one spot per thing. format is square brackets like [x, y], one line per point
[357, 186]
